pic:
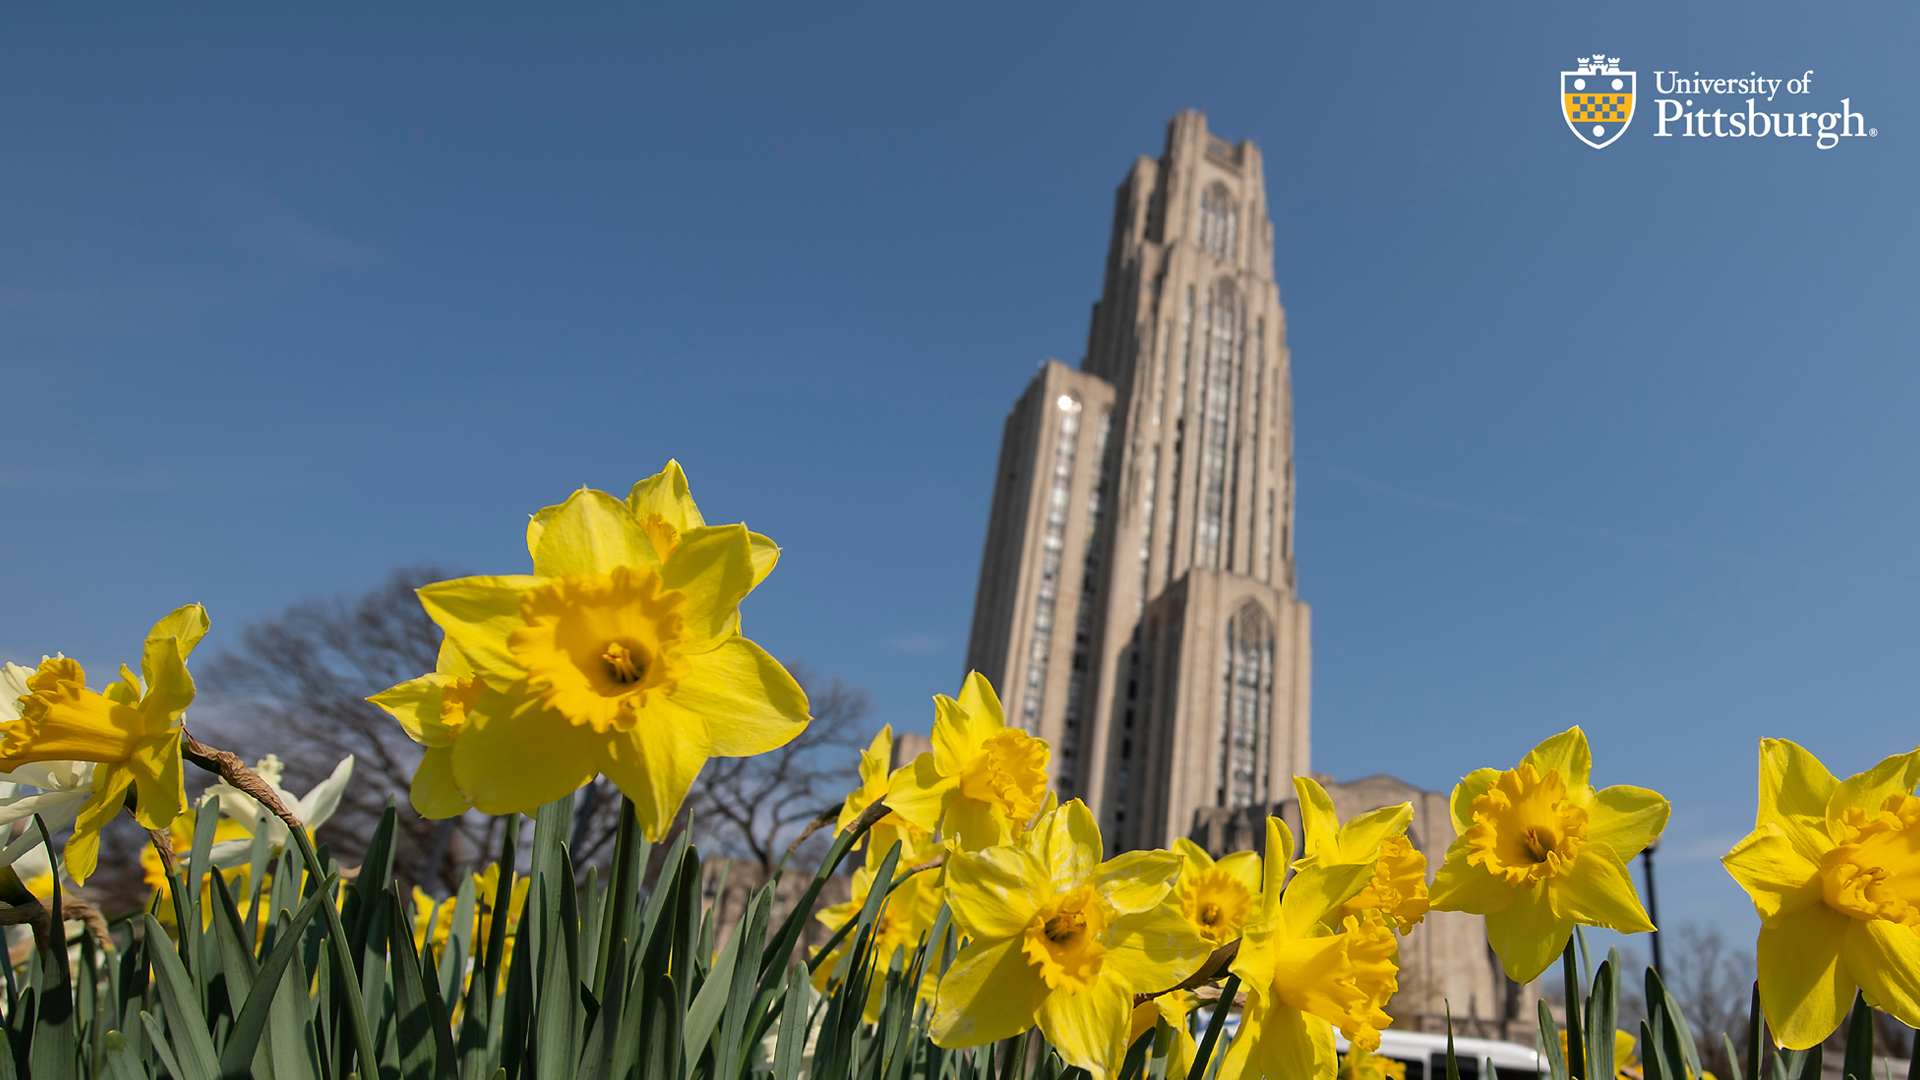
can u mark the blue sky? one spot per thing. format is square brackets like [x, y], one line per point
[1621, 438]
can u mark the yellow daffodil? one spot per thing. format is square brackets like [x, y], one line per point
[131, 731]
[1173, 1008]
[1217, 897]
[1302, 977]
[1399, 886]
[1624, 1065]
[1538, 849]
[620, 654]
[236, 875]
[439, 916]
[1061, 939]
[56, 790]
[983, 781]
[1833, 867]
[914, 841]
[906, 917]
[1362, 1064]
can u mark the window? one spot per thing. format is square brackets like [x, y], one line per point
[1052, 546]
[1082, 670]
[1219, 222]
[1220, 330]
[1246, 709]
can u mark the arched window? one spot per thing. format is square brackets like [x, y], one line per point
[1221, 336]
[1246, 713]
[1219, 221]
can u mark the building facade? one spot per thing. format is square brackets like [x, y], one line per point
[1137, 603]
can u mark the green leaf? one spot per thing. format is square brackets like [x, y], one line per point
[1550, 1043]
[293, 1042]
[1603, 1011]
[336, 937]
[791, 1042]
[560, 1018]
[460, 940]
[55, 1053]
[186, 1023]
[237, 1056]
[1203, 1055]
[1756, 1031]
[704, 1015]
[1858, 1063]
[426, 1045]
[157, 1037]
[1453, 1061]
[1576, 1042]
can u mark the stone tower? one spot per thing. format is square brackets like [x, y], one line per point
[1136, 602]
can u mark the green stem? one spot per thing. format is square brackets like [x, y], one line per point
[343, 960]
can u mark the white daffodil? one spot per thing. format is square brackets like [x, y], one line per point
[313, 808]
[53, 789]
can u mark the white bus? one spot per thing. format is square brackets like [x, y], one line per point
[1425, 1056]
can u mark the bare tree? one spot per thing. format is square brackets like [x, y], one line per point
[752, 807]
[1713, 982]
[297, 685]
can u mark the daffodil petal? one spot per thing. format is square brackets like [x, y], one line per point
[1138, 880]
[765, 555]
[1154, 949]
[514, 756]
[1526, 934]
[415, 704]
[158, 779]
[1471, 786]
[590, 534]
[1198, 861]
[1089, 1028]
[991, 891]
[478, 613]
[990, 993]
[186, 624]
[1773, 871]
[919, 793]
[713, 566]
[434, 793]
[655, 763]
[1794, 790]
[955, 741]
[1068, 844]
[1626, 819]
[1462, 886]
[976, 824]
[980, 702]
[169, 686]
[1278, 854]
[1361, 836]
[1884, 957]
[666, 493]
[1803, 988]
[1294, 1044]
[1243, 866]
[1318, 821]
[1319, 889]
[751, 704]
[1598, 891]
[1896, 775]
[1566, 752]
[82, 853]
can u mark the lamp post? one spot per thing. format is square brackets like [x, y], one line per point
[1653, 909]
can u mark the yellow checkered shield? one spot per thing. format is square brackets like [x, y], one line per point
[1597, 102]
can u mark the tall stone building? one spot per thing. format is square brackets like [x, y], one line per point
[1137, 603]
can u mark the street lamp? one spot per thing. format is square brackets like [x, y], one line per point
[1653, 909]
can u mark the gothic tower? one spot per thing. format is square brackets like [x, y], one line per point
[1136, 602]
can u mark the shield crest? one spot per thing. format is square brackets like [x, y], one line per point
[1597, 100]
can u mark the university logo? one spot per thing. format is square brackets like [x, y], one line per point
[1597, 99]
